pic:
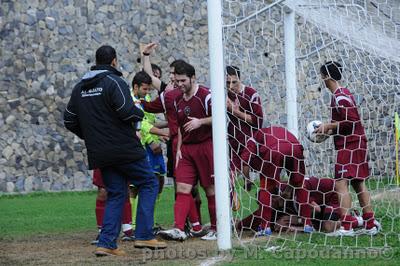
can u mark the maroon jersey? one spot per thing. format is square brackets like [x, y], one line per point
[322, 191]
[198, 106]
[239, 130]
[344, 111]
[268, 142]
[165, 104]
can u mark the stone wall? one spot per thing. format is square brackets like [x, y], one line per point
[46, 46]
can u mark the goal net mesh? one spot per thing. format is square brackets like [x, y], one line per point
[364, 37]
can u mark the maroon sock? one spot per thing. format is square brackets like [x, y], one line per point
[127, 212]
[305, 207]
[212, 212]
[369, 219]
[100, 206]
[264, 199]
[182, 209]
[193, 216]
[349, 222]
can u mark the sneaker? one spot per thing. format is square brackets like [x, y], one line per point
[235, 202]
[359, 218]
[211, 235]
[96, 241]
[157, 229]
[151, 244]
[100, 251]
[128, 238]
[263, 232]
[308, 229]
[174, 234]
[342, 232]
[372, 231]
[200, 233]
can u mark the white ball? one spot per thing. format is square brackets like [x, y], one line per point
[311, 135]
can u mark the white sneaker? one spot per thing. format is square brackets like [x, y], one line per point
[202, 232]
[212, 235]
[174, 234]
[374, 230]
[342, 232]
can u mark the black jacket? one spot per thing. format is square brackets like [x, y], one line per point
[101, 112]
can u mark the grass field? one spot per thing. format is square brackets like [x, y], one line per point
[30, 223]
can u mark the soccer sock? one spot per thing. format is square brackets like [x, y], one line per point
[127, 218]
[369, 219]
[134, 203]
[264, 198]
[305, 207]
[193, 216]
[100, 206]
[212, 212]
[181, 209]
[349, 222]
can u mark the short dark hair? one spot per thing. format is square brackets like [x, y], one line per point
[332, 69]
[177, 62]
[233, 71]
[105, 55]
[156, 67]
[141, 78]
[185, 69]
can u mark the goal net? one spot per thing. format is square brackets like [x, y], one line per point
[364, 37]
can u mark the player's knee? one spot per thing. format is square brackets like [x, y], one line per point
[183, 188]
[102, 194]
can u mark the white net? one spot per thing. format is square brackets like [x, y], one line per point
[363, 36]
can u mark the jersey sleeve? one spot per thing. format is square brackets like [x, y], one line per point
[348, 113]
[155, 106]
[256, 110]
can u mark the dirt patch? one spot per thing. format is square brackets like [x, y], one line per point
[76, 249]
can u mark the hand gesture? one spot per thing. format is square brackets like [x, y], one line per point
[193, 124]
[148, 48]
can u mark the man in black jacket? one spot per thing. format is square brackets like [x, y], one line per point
[102, 113]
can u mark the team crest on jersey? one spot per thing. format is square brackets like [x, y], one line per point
[186, 111]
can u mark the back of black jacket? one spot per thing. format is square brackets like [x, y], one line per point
[101, 112]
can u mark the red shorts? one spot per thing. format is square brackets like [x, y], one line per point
[98, 178]
[352, 161]
[196, 162]
[236, 161]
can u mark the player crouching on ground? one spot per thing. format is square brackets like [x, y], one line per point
[270, 151]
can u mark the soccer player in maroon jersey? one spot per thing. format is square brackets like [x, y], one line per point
[164, 103]
[270, 151]
[351, 145]
[194, 151]
[245, 116]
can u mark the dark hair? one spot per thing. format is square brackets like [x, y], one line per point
[177, 62]
[156, 67]
[185, 69]
[140, 78]
[233, 71]
[105, 55]
[332, 69]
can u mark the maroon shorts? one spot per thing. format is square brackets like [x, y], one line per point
[98, 178]
[197, 162]
[352, 161]
[236, 161]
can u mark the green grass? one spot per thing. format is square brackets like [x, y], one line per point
[24, 216]
[65, 212]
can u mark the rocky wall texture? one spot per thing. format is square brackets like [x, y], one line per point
[46, 46]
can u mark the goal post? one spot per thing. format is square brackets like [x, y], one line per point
[220, 144]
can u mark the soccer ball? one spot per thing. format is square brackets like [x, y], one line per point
[311, 134]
